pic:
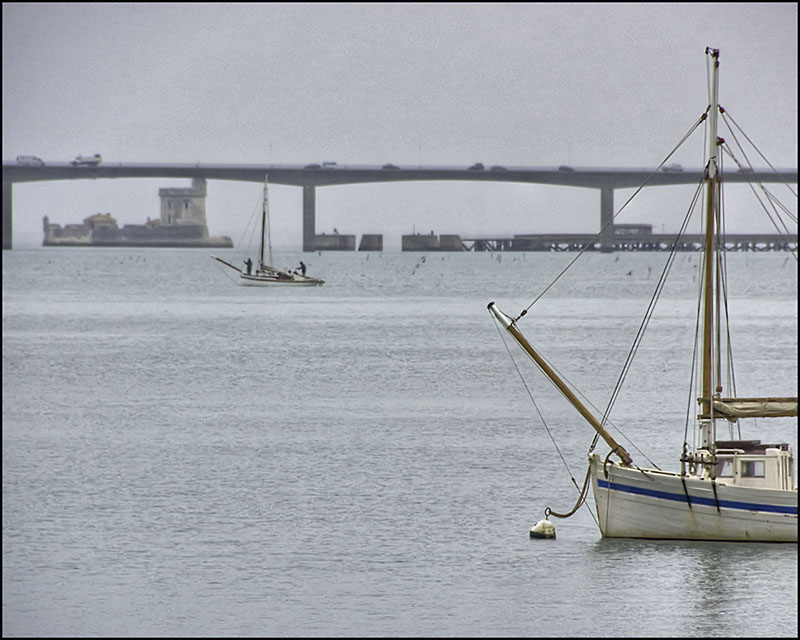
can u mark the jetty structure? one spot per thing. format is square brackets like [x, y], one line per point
[346, 242]
[624, 237]
[181, 224]
[432, 242]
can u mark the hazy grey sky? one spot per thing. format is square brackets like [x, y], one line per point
[431, 84]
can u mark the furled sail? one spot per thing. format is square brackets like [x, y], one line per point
[734, 408]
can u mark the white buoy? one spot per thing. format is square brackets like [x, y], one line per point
[543, 529]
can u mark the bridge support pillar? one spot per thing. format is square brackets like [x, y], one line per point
[606, 217]
[309, 218]
[7, 210]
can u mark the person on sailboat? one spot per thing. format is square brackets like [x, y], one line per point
[302, 267]
[249, 264]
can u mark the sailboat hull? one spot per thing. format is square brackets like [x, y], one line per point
[273, 281]
[649, 503]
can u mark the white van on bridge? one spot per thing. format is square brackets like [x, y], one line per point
[87, 161]
[30, 161]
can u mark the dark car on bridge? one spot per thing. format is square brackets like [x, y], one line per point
[565, 167]
[313, 166]
[390, 166]
[478, 166]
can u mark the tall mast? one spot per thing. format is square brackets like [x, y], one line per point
[712, 204]
[264, 220]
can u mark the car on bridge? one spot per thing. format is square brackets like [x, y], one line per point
[565, 167]
[313, 166]
[390, 166]
[674, 167]
[87, 161]
[478, 166]
[30, 161]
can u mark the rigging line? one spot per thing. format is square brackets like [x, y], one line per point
[657, 292]
[693, 380]
[637, 341]
[731, 373]
[719, 233]
[251, 228]
[631, 355]
[594, 407]
[769, 195]
[651, 306]
[530, 395]
[776, 204]
[587, 401]
[772, 200]
[685, 137]
[227, 273]
[722, 270]
[725, 117]
[747, 166]
[779, 205]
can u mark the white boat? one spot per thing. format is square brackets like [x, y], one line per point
[265, 275]
[727, 490]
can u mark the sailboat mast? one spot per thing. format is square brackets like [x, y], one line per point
[267, 227]
[712, 203]
[263, 220]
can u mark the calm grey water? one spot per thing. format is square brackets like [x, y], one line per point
[185, 456]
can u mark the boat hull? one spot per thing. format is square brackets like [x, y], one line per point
[262, 281]
[648, 503]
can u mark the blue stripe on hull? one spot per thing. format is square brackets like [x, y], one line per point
[680, 497]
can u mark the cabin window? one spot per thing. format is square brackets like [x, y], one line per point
[185, 205]
[725, 469]
[752, 468]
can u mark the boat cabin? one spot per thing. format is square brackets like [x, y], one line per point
[750, 463]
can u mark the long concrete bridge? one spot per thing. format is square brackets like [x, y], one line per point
[311, 176]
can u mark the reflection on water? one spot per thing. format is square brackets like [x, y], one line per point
[714, 587]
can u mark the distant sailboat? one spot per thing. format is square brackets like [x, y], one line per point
[737, 490]
[265, 274]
